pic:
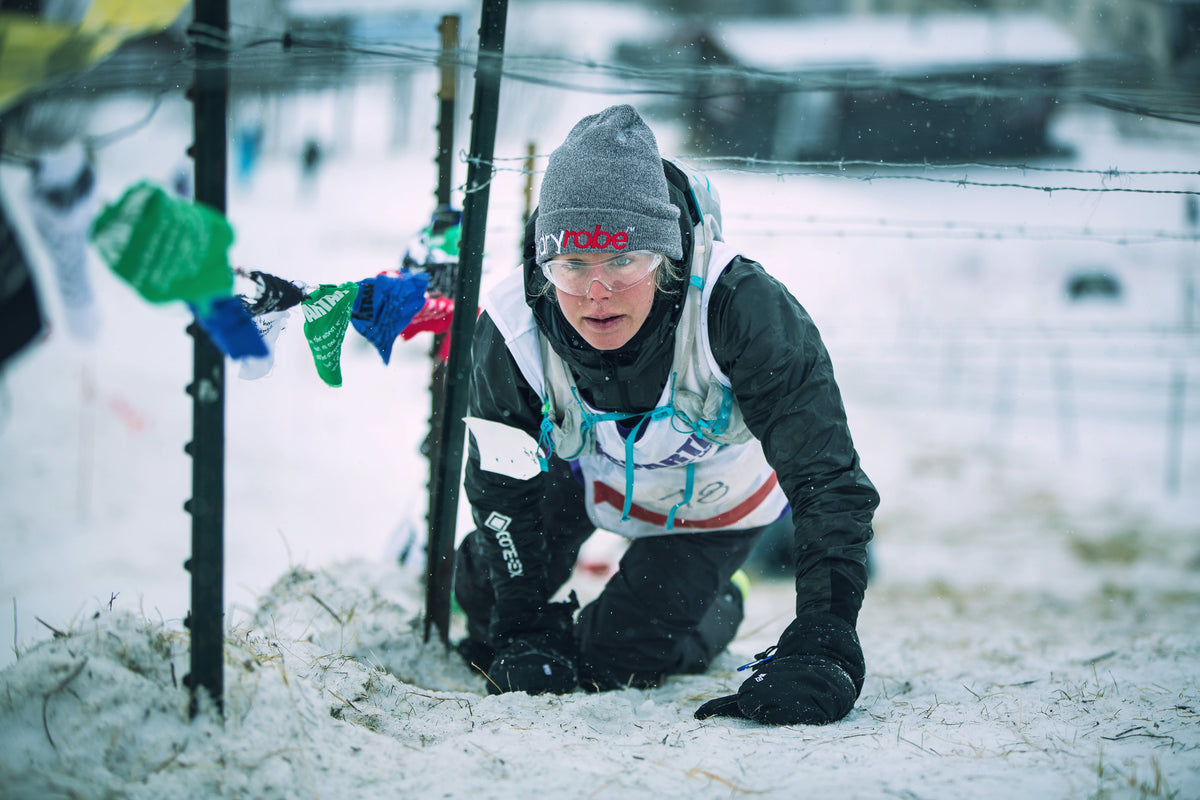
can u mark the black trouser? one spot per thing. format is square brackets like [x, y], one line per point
[669, 609]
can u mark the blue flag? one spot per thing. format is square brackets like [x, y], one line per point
[384, 307]
[231, 328]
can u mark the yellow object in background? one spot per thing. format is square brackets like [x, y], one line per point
[34, 51]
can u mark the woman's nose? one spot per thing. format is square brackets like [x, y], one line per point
[603, 291]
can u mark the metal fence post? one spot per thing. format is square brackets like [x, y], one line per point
[209, 95]
[484, 115]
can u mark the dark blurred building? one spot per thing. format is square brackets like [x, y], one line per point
[1141, 56]
[893, 87]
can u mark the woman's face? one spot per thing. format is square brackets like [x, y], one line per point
[604, 318]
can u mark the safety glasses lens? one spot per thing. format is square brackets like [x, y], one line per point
[619, 272]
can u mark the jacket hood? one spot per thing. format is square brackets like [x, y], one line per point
[632, 377]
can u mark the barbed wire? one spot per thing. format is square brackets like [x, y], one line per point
[822, 169]
[978, 233]
[749, 161]
[249, 53]
[876, 220]
[964, 182]
[783, 225]
[813, 169]
[1111, 172]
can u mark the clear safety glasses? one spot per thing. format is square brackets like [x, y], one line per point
[617, 273]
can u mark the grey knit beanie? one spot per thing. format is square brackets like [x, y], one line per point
[604, 191]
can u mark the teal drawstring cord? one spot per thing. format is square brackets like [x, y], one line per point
[630, 440]
[687, 494]
[545, 440]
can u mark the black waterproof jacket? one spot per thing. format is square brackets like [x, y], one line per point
[781, 375]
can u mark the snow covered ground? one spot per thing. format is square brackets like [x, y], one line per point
[1033, 628]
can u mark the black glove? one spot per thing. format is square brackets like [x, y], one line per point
[812, 677]
[540, 656]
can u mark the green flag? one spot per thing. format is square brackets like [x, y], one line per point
[167, 248]
[326, 318]
[446, 243]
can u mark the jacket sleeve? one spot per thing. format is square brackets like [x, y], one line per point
[782, 377]
[506, 510]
